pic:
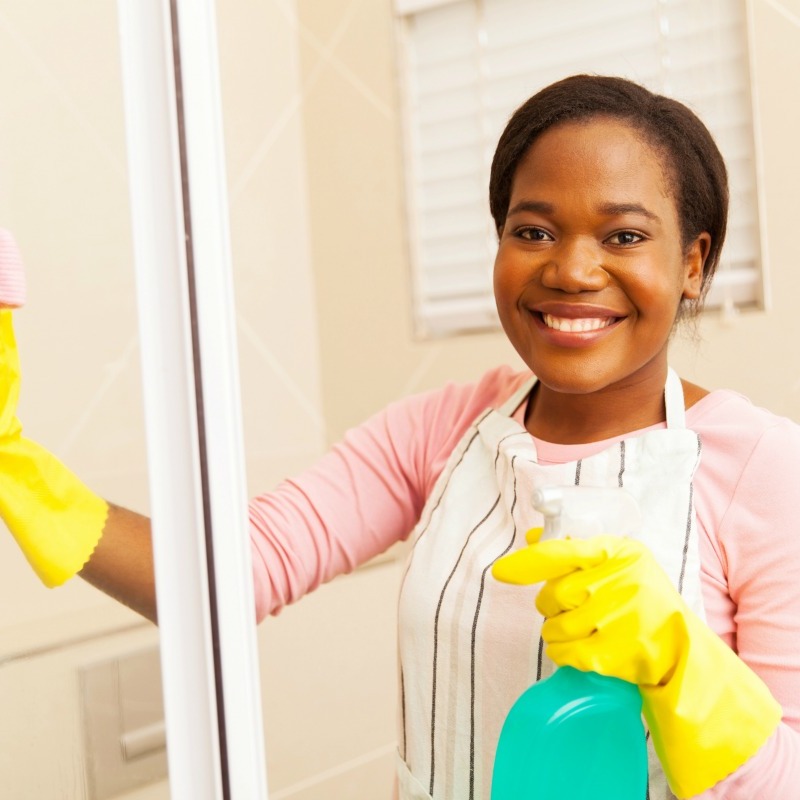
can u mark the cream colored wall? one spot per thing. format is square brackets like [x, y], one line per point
[327, 663]
[369, 353]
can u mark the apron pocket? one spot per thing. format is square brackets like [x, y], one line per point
[410, 788]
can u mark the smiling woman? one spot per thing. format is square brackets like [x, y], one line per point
[610, 204]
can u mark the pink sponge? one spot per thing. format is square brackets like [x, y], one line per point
[12, 273]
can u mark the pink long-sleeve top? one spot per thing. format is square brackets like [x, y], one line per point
[369, 490]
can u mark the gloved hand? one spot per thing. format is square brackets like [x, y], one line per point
[55, 519]
[611, 609]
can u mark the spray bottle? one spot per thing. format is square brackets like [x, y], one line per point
[576, 735]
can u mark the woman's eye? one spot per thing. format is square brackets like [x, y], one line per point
[534, 235]
[625, 238]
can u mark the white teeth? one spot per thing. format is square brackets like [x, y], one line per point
[576, 325]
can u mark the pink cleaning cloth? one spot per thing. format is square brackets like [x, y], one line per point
[12, 273]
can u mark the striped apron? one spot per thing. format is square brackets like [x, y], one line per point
[470, 645]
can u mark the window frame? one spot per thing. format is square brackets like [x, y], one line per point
[731, 291]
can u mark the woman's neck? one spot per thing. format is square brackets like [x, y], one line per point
[577, 418]
[582, 418]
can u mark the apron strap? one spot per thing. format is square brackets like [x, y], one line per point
[513, 403]
[673, 399]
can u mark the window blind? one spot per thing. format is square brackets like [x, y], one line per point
[467, 64]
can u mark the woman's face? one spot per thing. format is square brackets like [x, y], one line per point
[590, 269]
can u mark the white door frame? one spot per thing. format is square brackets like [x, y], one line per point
[192, 402]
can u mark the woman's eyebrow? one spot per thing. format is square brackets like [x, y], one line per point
[607, 209]
[619, 209]
[536, 206]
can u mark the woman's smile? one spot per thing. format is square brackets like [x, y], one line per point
[567, 325]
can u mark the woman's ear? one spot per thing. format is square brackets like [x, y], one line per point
[695, 260]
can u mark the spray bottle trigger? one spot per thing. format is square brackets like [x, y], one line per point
[586, 511]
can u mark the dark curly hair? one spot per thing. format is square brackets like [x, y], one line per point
[695, 167]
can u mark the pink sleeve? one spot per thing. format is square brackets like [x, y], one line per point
[12, 273]
[365, 494]
[759, 546]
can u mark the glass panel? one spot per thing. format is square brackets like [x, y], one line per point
[79, 673]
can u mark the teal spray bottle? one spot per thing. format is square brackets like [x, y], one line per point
[576, 735]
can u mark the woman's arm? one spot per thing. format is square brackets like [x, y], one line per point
[759, 543]
[122, 563]
[366, 493]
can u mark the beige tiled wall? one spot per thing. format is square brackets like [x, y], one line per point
[313, 144]
[369, 355]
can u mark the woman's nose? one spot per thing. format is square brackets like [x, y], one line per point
[575, 266]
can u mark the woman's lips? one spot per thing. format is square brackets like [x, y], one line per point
[574, 330]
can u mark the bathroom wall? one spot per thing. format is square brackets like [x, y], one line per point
[313, 142]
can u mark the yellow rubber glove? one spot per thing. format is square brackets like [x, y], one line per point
[611, 609]
[55, 519]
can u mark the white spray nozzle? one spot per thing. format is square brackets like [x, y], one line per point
[584, 511]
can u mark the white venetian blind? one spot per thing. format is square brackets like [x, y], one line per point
[467, 64]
